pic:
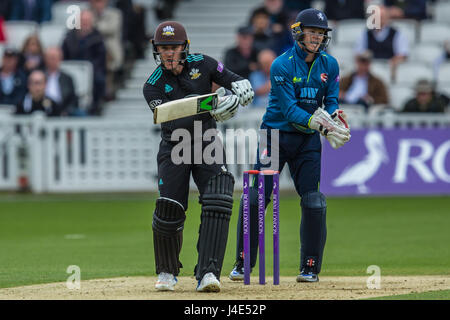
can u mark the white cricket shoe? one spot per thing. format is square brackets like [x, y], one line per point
[209, 283]
[166, 282]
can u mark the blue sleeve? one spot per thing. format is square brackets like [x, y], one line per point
[332, 93]
[283, 88]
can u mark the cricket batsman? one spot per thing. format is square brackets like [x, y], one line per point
[303, 104]
[180, 74]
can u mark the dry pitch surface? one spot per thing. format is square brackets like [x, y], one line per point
[329, 288]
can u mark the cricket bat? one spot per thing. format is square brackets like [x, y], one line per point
[186, 107]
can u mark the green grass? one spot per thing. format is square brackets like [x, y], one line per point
[403, 236]
[430, 295]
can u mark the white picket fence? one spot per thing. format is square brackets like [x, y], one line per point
[119, 154]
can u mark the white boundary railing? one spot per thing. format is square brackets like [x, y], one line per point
[119, 154]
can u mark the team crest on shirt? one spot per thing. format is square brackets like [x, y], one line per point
[168, 31]
[195, 74]
[324, 77]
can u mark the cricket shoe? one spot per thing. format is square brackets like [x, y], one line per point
[209, 283]
[307, 277]
[237, 274]
[166, 282]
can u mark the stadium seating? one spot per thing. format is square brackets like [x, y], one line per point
[408, 28]
[442, 12]
[51, 34]
[18, 31]
[399, 95]
[409, 73]
[59, 10]
[82, 74]
[425, 53]
[348, 31]
[436, 33]
[382, 70]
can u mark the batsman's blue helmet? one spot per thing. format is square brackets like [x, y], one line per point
[312, 18]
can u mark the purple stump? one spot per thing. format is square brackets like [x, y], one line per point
[261, 235]
[276, 229]
[246, 227]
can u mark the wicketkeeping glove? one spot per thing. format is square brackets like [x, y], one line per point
[243, 89]
[334, 128]
[227, 106]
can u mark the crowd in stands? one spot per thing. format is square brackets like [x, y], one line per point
[267, 35]
[111, 34]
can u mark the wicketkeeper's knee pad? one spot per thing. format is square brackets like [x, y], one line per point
[217, 205]
[168, 224]
[313, 231]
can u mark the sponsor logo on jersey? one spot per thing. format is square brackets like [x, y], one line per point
[324, 77]
[337, 78]
[308, 92]
[168, 31]
[296, 80]
[279, 80]
[220, 67]
[168, 88]
[194, 74]
[154, 103]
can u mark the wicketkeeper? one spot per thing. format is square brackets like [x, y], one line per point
[303, 104]
[180, 74]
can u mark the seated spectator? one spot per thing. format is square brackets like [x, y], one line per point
[295, 6]
[133, 29]
[35, 99]
[32, 56]
[60, 87]
[5, 8]
[260, 79]
[443, 58]
[344, 9]
[108, 21]
[87, 44]
[279, 25]
[164, 9]
[31, 10]
[13, 81]
[361, 86]
[262, 34]
[412, 9]
[241, 59]
[385, 43]
[426, 99]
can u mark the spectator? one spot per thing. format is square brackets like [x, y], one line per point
[35, 99]
[410, 9]
[260, 79]
[108, 21]
[60, 87]
[344, 9]
[279, 25]
[5, 8]
[133, 28]
[426, 99]
[361, 86]
[12, 80]
[385, 43]
[31, 10]
[443, 58]
[87, 44]
[32, 56]
[295, 6]
[262, 34]
[164, 9]
[241, 59]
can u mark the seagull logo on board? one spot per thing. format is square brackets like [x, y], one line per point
[361, 172]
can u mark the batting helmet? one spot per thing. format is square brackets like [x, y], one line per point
[312, 18]
[170, 33]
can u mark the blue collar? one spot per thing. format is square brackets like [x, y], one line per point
[302, 53]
